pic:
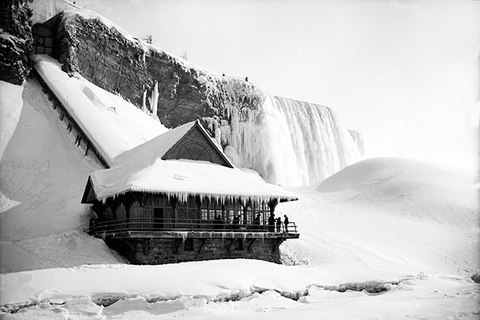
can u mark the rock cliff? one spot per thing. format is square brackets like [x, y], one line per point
[119, 63]
[15, 41]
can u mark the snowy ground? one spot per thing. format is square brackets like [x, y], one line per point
[409, 226]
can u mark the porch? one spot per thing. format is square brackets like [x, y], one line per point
[191, 228]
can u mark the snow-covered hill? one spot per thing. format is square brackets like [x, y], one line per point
[397, 213]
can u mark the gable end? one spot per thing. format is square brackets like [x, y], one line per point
[197, 145]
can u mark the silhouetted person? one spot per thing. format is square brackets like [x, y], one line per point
[286, 222]
[271, 223]
[246, 79]
[256, 221]
[217, 222]
[236, 222]
[278, 223]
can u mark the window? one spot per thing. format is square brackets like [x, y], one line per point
[193, 151]
[42, 39]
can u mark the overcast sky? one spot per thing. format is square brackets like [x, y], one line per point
[404, 73]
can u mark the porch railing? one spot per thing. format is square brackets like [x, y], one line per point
[144, 224]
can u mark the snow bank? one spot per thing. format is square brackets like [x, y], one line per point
[10, 110]
[209, 279]
[42, 172]
[232, 289]
[409, 187]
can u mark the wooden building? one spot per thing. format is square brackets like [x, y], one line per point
[178, 198]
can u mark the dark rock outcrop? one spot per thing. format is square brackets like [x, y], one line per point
[475, 277]
[15, 41]
[130, 67]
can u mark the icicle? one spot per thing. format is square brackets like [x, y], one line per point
[154, 102]
[144, 101]
[183, 234]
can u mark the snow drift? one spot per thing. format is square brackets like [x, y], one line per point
[423, 260]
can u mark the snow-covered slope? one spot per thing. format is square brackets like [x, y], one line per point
[389, 214]
[353, 229]
[407, 226]
[416, 189]
[43, 173]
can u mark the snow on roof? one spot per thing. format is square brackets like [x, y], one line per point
[110, 123]
[142, 169]
[155, 148]
[182, 178]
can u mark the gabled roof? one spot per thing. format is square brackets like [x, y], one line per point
[160, 146]
[144, 169]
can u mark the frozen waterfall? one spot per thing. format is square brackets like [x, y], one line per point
[291, 142]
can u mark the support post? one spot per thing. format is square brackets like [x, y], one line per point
[230, 245]
[277, 244]
[201, 245]
[249, 249]
[173, 203]
[179, 243]
[88, 147]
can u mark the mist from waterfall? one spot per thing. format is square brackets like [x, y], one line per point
[292, 142]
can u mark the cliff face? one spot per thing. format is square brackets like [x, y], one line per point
[115, 61]
[15, 41]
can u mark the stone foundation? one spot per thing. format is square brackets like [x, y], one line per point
[162, 251]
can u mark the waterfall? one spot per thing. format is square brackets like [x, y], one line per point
[291, 142]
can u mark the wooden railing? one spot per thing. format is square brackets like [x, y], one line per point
[144, 224]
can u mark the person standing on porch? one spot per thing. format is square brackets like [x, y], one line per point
[278, 223]
[256, 222]
[236, 221]
[286, 222]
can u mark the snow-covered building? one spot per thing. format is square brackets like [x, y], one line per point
[179, 198]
